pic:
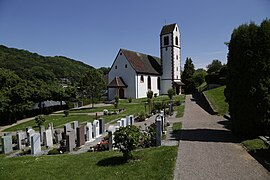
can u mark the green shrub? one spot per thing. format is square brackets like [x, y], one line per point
[53, 151]
[129, 99]
[171, 93]
[40, 119]
[66, 112]
[127, 139]
[149, 94]
[155, 95]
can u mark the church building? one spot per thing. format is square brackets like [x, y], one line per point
[132, 73]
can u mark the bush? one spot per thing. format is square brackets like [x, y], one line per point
[129, 99]
[149, 94]
[127, 139]
[40, 119]
[171, 93]
[155, 95]
[53, 151]
[66, 113]
[141, 117]
[116, 101]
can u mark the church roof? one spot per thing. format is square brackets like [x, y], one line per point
[167, 29]
[143, 63]
[117, 82]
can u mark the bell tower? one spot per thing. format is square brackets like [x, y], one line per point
[170, 53]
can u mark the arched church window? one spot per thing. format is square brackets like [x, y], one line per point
[158, 83]
[142, 79]
[149, 82]
[115, 67]
[176, 40]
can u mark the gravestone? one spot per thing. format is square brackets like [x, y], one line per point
[20, 139]
[123, 120]
[70, 140]
[101, 126]
[111, 130]
[48, 139]
[80, 136]
[6, 144]
[127, 121]
[158, 130]
[89, 132]
[41, 132]
[35, 144]
[119, 123]
[67, 127]
[29, 134]
[57, 136]
[75, 125]
[96, 128]
[131, 119]
[51, 128]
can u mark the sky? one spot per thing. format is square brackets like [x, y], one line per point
[94, 31]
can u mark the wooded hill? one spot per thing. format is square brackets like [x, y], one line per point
[30, 66]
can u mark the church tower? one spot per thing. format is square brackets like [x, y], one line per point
[170, 53]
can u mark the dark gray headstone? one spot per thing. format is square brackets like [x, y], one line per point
[158, 130]
[101, 126]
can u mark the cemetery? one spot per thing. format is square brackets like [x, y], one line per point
[81, 139]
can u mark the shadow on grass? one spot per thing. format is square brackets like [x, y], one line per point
[112, 161]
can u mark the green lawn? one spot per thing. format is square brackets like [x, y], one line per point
[57, 120]
[179, 111]
[177, 126]
[152, 163]
[137, 106]
[260, 149]
[217, 100]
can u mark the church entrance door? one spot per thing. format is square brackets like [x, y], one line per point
[121, 93]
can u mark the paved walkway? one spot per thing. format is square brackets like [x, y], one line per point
[207, 150]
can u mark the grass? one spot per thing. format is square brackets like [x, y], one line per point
[217, 100]
[137, 106]
[153, 163]
[57, 120]
[179, 111]
[260, 150]
[177, 126]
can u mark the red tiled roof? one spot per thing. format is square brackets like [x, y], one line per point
[117, 82]
[167, 29]
[143, 63]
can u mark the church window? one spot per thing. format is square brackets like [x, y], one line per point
[158, 83]
[176, 68]
[166, 49]
[176, 28]
[115, 67]
[149, 82]
[142, 79]
[177, 57]
[166, 40]
[125, 65]
[176, 40]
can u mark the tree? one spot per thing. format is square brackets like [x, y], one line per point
[127, 139]
[93, 84]
[187, 76]
[214, 67]
[199, 76]
[171, 93]
[248, 79]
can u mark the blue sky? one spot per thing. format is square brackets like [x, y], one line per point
[94, 31]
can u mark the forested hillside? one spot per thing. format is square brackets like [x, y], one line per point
[27, 78]
[30, 66]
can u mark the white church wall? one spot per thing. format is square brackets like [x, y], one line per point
[127, 73]
[143, 85]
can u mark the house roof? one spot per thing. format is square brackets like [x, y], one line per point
[167, 29]
[143, 63]
[117, 82]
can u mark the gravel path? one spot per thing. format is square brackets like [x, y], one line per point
[207, 150]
